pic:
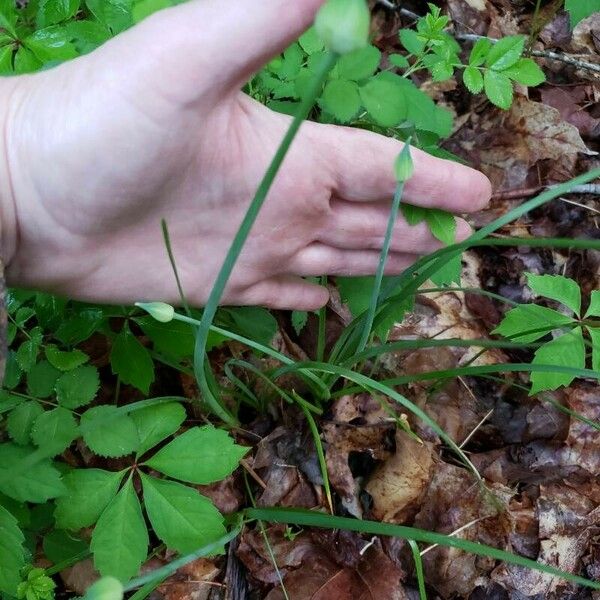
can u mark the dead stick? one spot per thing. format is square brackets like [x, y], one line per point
[592, 189]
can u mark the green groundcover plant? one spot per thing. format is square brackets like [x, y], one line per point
[52, 395]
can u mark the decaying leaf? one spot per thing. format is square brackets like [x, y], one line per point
[398, 485]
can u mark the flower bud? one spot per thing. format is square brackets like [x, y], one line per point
[404, 167]
[107, 588]
[343, 25]
[162, 312]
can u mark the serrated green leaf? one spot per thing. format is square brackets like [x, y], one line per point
[180, 516]
[131, 361]
[49, 310]
[65, 361]
[109, 432]
[27, 353]
[505, 52]
[23, 315]
[556, 287]
[41, 380]
[299, 320]
[526, 72]
[595, 338]
[51, 44]
[530, 318]
[201, 455]
[341, 99]
[79, 327]
[12, 371]
[50, 12]
[400, 61]
[12, 553]
[120, 538]
[581, 9]
[479, 52]
[113, 14]
[411, 41]
[498, 88]
[55, 430]
[156, 423]
[568, 350]
[88, 493]
[78, 387]
[21, 419]
[25, 480]
[145, 8]
[359, 64]
[311, 42]
[594, 307]
[384, 102]
[442, 225]
[473, 80]
[87, 35]
[450, 272]
[8, 401]
[413, 214]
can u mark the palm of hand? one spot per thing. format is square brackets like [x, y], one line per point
[134, 141]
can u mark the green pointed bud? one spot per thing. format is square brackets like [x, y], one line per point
[107, 588]
[343, 25]
[162, 312]
[404, 167]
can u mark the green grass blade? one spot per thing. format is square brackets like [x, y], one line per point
[418, 569]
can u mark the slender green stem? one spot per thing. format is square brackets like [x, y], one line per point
[241, 237]
[368, 326]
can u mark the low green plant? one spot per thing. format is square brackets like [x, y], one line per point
[567, 348]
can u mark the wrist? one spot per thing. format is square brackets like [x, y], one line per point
[10, 100]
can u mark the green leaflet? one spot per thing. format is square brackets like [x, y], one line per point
[12, 553]
[54, 430]
[181, 517]
[108, 431]
[568, 350]
[41, 379]
[556, 287]
[156, 423]
[20, 421]
[580, 9]
[530, 322]
[131, 361]
[26, 477]
[594, 307]
[88, 493]
[77, 387]
[201, 455]
[120, 538]
[341, 99]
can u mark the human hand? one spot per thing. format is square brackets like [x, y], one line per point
[152, 125]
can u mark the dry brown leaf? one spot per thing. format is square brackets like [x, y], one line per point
[397, 486]
[505, 145]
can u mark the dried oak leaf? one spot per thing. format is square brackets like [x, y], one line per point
[505, 145]
[398, 485]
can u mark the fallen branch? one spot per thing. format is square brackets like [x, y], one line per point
[592, 189]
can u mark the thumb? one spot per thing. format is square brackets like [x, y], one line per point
[224, 41]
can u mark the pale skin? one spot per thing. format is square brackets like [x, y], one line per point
[153, 125]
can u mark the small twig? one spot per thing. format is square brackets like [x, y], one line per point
[477, 427]
[454, 533]
[580, 206]
[592, 189]
[559, 56]
[403, 11]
